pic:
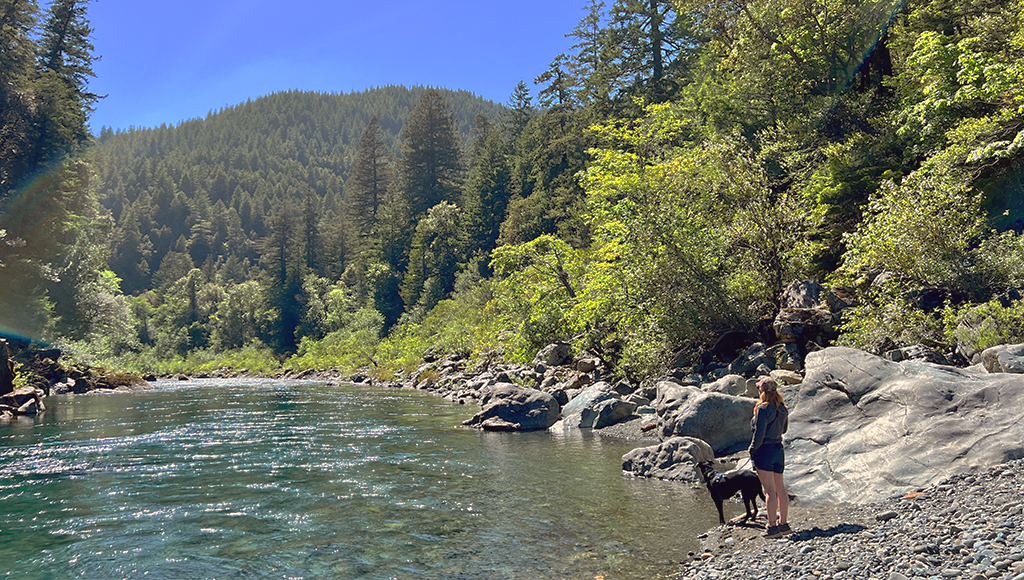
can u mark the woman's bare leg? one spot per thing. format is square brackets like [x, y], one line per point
[771, 498]
[783, 497]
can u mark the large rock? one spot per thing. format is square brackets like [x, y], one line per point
[803, 294]
[863, 428]
[730, 385]
[596, 407]
[553, 355]
[509, 407]
[675, 459]
[918, 352]
[1004, 359]
[23, 401]
[751, 359]
[723, 421]
[797, 325]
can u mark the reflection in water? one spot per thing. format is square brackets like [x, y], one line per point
[263, 479]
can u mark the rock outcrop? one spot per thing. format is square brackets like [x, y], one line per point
[674, 459]
[23, 401]
[863, 428]
[6, 368]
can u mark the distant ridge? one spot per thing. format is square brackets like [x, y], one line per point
[205, 181]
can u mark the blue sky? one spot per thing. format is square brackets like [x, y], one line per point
[168, 61]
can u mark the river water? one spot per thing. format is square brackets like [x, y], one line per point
[297, 480]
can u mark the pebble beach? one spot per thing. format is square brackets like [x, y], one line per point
[968, 526]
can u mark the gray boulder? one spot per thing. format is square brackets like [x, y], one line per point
[1004, 359]
[917, 352]
[509, 407]
[730, 385]
[23, 401]
[803, 294]
[553, 355]
[863, 428]
[796, 325]
[723, 421]
[786, 356]
[596, 407]
[752, 358]
[674, 459]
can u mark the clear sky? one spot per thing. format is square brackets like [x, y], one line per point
[165, 61]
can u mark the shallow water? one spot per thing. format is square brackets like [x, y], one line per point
[292, 480]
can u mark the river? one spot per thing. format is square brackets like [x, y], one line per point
[296, 480]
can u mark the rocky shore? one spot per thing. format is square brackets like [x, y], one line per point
[968, 526]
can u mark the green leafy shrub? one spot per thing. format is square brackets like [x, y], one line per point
[975, 327]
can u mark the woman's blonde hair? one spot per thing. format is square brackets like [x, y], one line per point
[770, 397]
[769, 394]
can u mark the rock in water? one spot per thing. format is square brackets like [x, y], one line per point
[509, 407]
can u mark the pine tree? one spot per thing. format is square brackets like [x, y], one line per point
[284, 280]
[488, 187]
[65, 65]
[310, 230]
[519, 111]
[430, 169]
[17, 20]
[371, 175]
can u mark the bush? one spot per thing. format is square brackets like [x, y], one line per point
[975, 327]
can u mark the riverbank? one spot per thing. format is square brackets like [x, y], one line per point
[967, 526]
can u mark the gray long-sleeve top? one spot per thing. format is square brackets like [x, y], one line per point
[768, 425]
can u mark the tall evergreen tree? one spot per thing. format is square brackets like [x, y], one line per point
[65, 66]
[519, 111]
[430, 169]
[311, 230]
[284, 279]
[46, 198]
[488, 187]
[651, 42]
[371, 175]
[17, 20]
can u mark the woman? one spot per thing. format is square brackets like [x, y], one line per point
[770, 421]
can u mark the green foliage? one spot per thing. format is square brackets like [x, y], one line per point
[889, 319]
[787, 140]
[537, 291]
[350, 347]
[919, 229]
[975, 327]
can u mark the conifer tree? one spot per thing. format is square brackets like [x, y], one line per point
[430, 169]
[519, 111]
[311, 230]
[371, 175]
[284, 280]
[488, 187]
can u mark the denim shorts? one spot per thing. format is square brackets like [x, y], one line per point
[769, 457]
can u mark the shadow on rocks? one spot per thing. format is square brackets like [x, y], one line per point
[816, 532]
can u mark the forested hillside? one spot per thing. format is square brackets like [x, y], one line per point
[206, 188]
[657, 187]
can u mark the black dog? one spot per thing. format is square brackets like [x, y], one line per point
[722, 486]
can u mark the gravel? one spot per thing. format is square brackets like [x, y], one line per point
[966, 526]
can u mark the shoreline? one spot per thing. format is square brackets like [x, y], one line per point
[967, 526]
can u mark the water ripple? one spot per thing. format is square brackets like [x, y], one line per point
[265, 479]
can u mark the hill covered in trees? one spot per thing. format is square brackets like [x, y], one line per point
[670, 175]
